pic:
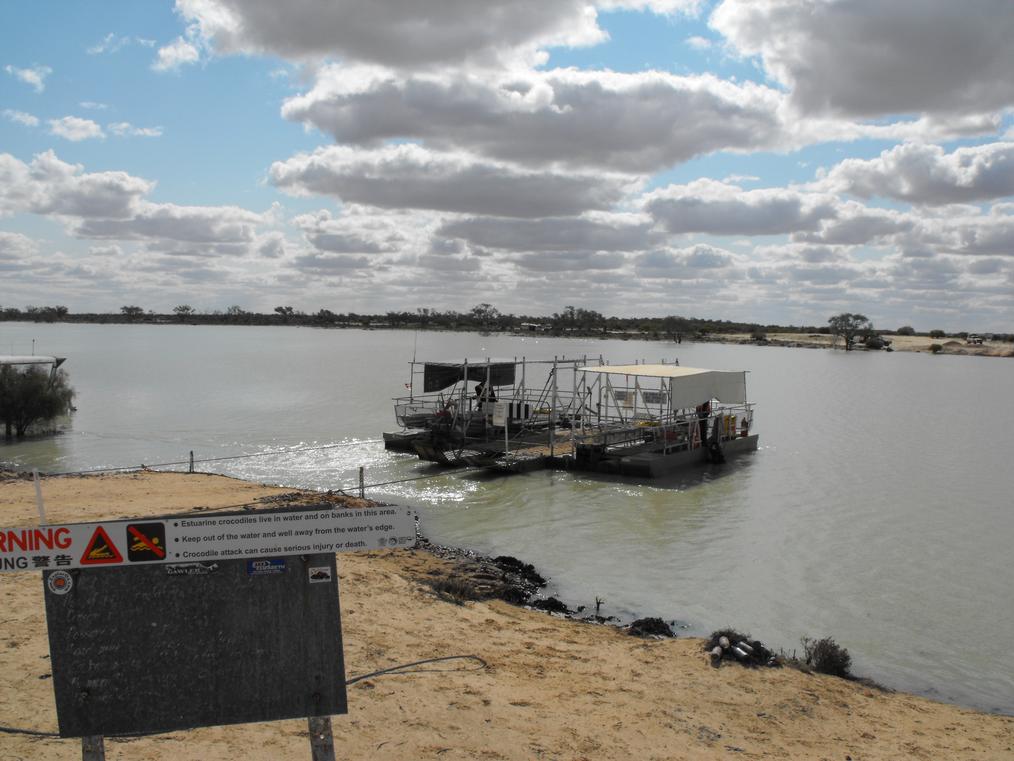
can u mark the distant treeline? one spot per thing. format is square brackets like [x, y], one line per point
[571, 321]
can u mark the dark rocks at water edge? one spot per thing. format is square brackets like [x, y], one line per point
[479, 577]
[650, 627]
[524, 570]
[15, 475]
[504, 578]
[550, 605]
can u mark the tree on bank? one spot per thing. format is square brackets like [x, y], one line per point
[183, 311]
[31, 396]
[850, 327]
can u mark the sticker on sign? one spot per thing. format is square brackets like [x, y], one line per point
[205, 538]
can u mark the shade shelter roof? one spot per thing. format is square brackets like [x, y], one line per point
[689, 386]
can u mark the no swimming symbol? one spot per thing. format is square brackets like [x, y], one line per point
[145, 542]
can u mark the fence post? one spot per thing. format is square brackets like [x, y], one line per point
[321, 738]
[191, 460]
[362, 482]
[94, 748]
[38, 498]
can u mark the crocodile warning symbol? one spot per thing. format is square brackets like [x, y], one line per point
[101, 549]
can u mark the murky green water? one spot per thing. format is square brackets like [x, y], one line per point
[879, 509]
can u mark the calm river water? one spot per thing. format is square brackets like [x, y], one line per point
[879, 509]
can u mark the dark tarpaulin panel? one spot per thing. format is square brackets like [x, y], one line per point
[439, 375]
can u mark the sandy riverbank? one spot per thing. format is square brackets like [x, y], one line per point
[553, 688]
[898, 343]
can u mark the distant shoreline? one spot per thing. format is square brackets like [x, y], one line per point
[807, 338]
[953, 346]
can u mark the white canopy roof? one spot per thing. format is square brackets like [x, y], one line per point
[689, 386]
[28, 359]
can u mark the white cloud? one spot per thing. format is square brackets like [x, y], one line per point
[988, 235]
[50, 186]
[109, 44]
[854, 225]
[126, 129]
[926, 174]
[571, 261]
[699, 43]
[392, 32]
[661, 7]
[349, 234]
[93, 105]
[15, 246]
[169, 222]
[110, 250]
[20, 117]
[75, 129]
[111, 206]
[707, 206]
[602, 232]
[409, 176]
[330, 264]
[177, 53]
[34, 76]
[872, 58]
[627, 122]
[690, 263]
[112, 43]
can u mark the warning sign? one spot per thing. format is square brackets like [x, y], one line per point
[145, 542]
[206, 538]
[101, 550]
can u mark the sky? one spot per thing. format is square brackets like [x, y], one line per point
[771, 161]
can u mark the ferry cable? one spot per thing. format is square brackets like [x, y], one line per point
[391, 671]
[344, 491]
[213, 459]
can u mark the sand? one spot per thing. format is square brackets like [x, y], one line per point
[552, 688]
[898, 343]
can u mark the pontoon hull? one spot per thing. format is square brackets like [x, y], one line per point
[658, 464]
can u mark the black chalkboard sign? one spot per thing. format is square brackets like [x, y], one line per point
[154, 648]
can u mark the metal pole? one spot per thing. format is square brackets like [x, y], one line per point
[552, 415]
[191, 460]
[94, 748]
[573, 399]
[38, 498]
[362, 482]
[321, 738]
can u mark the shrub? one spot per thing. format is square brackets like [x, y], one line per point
[827, 657]
[32, 396]
[906, 330]
[936, 348]
[937, 334]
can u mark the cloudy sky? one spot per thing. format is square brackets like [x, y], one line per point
[761, 160]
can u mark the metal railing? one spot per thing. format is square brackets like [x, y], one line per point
[686, 430]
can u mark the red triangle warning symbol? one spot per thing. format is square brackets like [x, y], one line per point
[101, 549]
